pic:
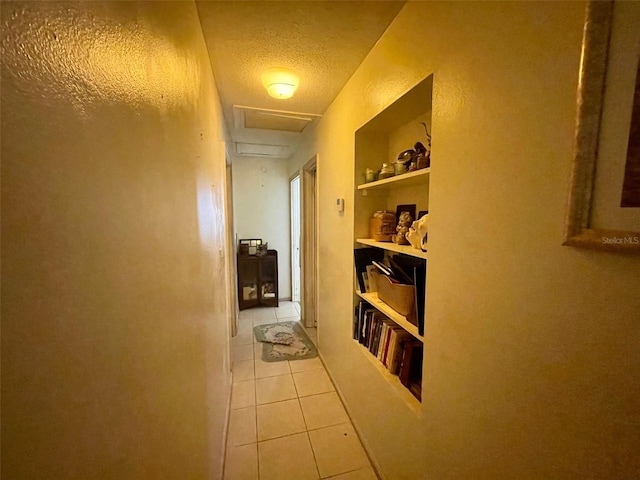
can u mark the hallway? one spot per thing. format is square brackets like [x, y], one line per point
[127, 128]
[286, 421]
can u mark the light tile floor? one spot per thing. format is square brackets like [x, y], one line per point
[286, 421]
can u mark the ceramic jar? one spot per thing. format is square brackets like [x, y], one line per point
[369, 175]
[386, 171]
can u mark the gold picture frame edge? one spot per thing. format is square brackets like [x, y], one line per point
[593, 68]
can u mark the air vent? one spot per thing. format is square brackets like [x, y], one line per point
[261, 150]
[274, 120]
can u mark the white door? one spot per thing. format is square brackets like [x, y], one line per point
[295, 239]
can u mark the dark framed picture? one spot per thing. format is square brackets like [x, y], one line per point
[406, 208]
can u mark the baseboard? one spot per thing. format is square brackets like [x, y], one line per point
[367, 449]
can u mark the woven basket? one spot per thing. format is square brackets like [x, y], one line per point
[400, 297]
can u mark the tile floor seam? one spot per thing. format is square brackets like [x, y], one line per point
[313, 452]
[306, 427]
[343, 473]
[271, 403]
[257, 448]
[325, 426]
[240, 444]
[255, 391]
[295, 386]
[257, 454]
[280, 436]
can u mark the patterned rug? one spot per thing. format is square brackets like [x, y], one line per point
[284, 341]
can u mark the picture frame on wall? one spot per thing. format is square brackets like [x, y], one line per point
[249, 246]
[604, 200]
[411, 208]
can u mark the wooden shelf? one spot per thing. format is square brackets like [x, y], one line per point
[401, 320]
[412, 402]
[416, 177]
[393, 247]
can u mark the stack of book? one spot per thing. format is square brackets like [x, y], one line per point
[398, 350]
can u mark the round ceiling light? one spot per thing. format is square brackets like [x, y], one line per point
[280, 83]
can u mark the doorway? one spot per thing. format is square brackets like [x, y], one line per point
[295, 238]
[309, 244]
[232, 298]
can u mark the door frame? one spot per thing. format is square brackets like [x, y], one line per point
[309, 243]
[292, 221]
[232, 275]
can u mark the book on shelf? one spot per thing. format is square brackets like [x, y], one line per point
[368, 327]
[362, 258]
[394, 332]
[396, 361]
[383, 338]
[359, 325]
[365, 280]
[400, 274]
[371, 275]
[369, 330]
[372, 331]
[395, 348]
[387, 341]
[411, 368]
[374, 328]
[382, 268]
[378, 319]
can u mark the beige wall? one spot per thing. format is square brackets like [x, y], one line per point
[261, 209]
[532, 366]
[115, 358]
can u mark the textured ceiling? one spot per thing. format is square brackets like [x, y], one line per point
[323, 42]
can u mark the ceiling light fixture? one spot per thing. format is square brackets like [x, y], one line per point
[280, 83]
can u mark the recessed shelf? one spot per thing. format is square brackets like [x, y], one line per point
[416, 177]
[393, 247]
[394, 129]
[401, 320]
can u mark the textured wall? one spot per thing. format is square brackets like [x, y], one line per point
[114, 335]
[531, 362]
[261, 209]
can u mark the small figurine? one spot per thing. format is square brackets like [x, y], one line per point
[420, 149]
[404, 223]
[261, 250]
[423, 154]
[417, 234]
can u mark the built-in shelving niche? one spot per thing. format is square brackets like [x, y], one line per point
[379, 141]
